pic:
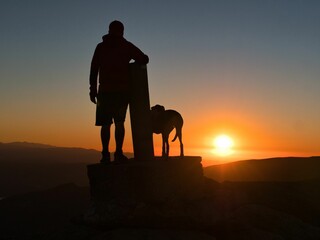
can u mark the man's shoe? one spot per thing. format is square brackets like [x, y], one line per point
[105, 158]
[120, 158]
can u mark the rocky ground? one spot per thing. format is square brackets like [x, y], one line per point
[228, 211]
[271, 199]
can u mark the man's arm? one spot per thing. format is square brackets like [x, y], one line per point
[138, 55]
[94, 70]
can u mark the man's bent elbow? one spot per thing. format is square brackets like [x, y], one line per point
[146, 59]
[143, 59]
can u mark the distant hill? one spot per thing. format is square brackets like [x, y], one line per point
[273, 169]
[26, 167]
[14, 145]
[19, 152]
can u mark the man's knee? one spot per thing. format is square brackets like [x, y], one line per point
[119, 124]
[106, 126]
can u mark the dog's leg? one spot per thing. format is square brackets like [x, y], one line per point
[165, 145]
[167, 142]
[179, 133]
[181, 148]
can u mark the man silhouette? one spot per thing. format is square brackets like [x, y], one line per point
[111, 62]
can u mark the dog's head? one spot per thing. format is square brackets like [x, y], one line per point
[158, 108]
[156, 111]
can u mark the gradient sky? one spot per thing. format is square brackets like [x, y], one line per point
[248, 68]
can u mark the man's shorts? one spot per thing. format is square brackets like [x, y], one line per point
[111, 107]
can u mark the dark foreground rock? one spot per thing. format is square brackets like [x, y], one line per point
[175, 195]
[149, 193]
[260, 222]
[210, 211]
[129, 233]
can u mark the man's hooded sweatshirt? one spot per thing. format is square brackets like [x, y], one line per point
[111, 62]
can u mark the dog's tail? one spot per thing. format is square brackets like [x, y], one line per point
[178, 128]
[175, 137]
[178, 133]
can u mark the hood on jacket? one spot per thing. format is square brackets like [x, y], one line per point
[112, 38]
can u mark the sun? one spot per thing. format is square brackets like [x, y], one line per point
[223, 145]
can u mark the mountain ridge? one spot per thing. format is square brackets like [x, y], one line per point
[28, 167]
[270, 169]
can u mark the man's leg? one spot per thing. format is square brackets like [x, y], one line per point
[119, 136]
[119, 118]
[104, 119]
[105, 139]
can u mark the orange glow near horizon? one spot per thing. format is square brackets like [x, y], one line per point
[223, 145]
[252, 137]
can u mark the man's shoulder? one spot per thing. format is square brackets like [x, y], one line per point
[125, 41]
[129, 46]
[99, 45]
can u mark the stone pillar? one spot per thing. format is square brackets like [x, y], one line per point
[140, 113]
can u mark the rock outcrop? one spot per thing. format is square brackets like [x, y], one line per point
[150, 193]
[172, 197]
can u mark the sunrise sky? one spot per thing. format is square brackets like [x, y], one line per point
[248, 69]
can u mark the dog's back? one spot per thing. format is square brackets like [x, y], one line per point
[173, 119]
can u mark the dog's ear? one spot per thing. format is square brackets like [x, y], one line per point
[158, 108]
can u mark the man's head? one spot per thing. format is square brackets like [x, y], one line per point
[116, 28]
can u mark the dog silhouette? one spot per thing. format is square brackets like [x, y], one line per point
[164, 121]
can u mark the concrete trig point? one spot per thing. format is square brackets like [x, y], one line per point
[140, 113]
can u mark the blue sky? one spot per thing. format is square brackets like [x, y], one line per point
[225, 65]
